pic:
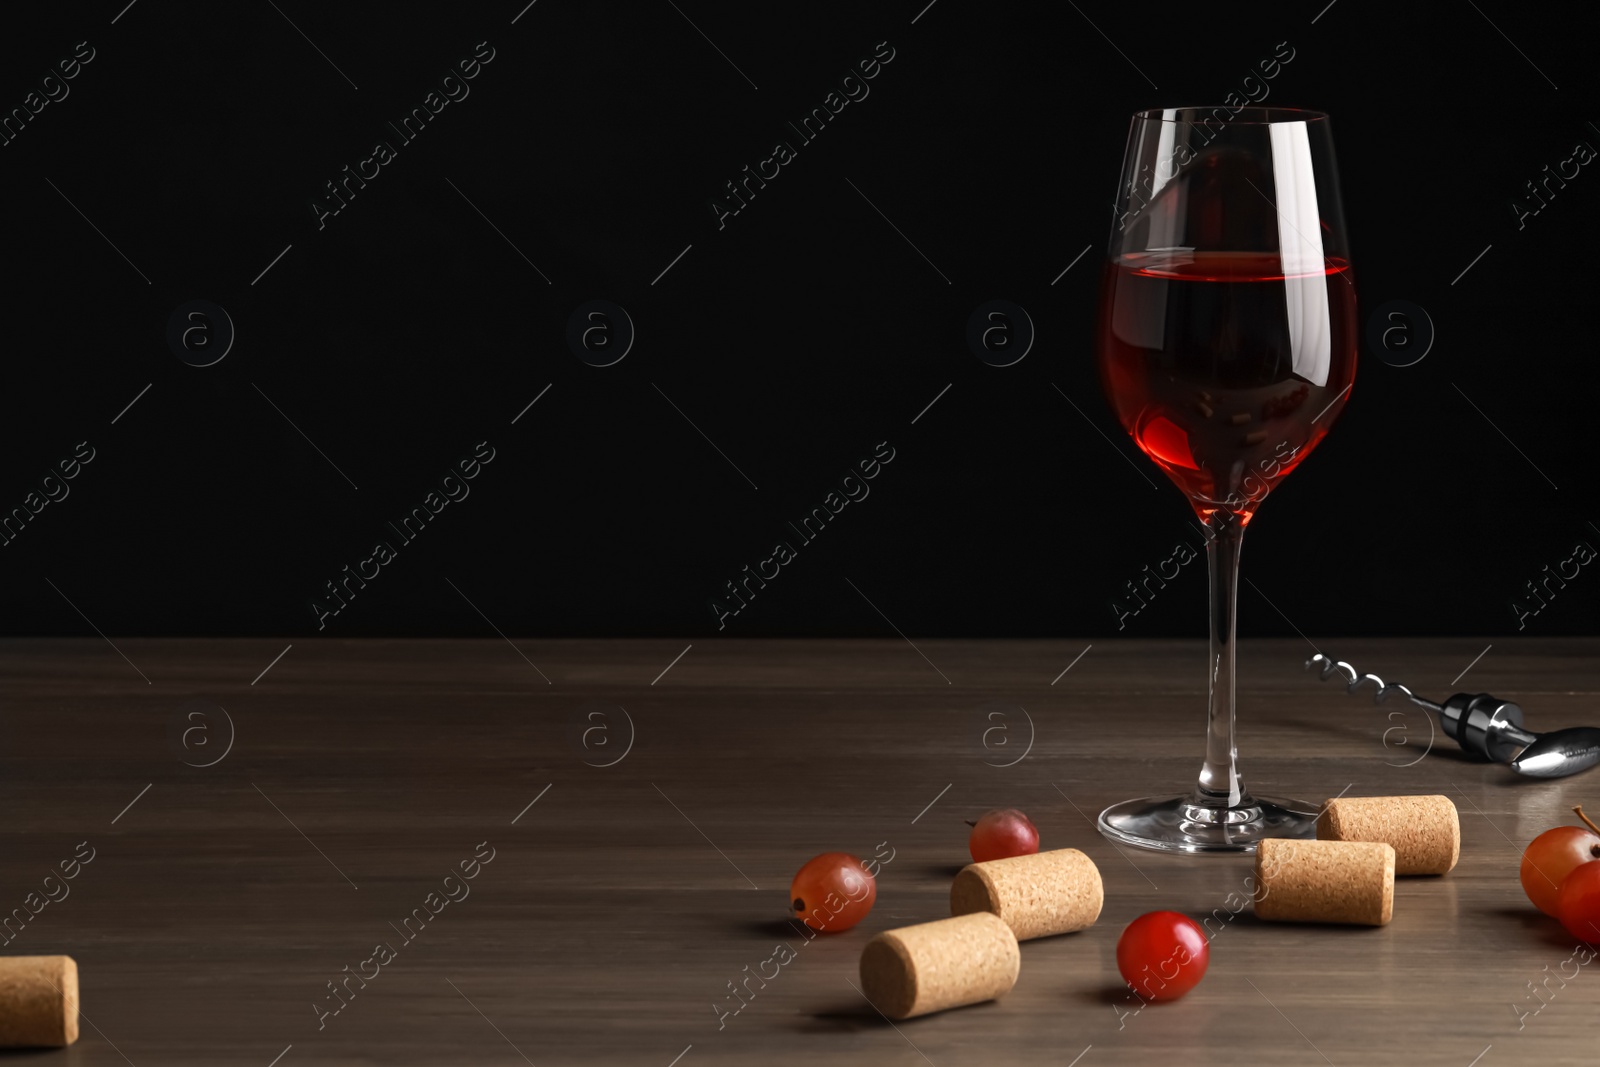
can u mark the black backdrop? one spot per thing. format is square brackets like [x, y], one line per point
[775, 352]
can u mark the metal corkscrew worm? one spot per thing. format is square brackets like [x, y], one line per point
[1486, 726]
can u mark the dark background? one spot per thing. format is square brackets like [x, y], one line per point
[797, 338]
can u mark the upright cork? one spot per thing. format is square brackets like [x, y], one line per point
[947, 963]
[1424, 831]
[38, 1001]
[1047, 893]
[1324, 881]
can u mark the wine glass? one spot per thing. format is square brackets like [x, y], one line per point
[1227, 345]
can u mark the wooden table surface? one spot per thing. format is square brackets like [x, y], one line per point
[621, 900]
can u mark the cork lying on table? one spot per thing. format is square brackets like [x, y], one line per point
[38, 1001]
[1425, 831]
[947, 963]
[1324, 881]
[1046, 893]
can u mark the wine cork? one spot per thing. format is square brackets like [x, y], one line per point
[1324, 881]
[1046, 893]
[1425, 831]
[947, 963]
[38, 1001]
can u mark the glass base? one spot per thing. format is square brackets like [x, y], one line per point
[1188, 824]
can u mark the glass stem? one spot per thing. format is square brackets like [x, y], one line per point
[1219, 775]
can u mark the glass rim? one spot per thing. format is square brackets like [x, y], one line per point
[1249, 116]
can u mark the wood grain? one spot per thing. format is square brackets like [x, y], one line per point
[616, 910]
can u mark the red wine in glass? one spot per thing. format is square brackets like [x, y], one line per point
[1226, 340]
[1197, 356]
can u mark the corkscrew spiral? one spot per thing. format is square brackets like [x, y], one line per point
[1354, 680]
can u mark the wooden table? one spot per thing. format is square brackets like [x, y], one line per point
[621, 900]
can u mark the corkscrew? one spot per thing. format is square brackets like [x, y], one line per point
[1486, 726]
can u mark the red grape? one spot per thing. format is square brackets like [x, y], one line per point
[1162, 955]
[1550, 858]
[1001, 834]
[832, 892]
[1578, 903]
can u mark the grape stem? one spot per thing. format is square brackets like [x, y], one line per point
[1586, 820]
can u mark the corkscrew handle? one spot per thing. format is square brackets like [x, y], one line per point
[1560, 753]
